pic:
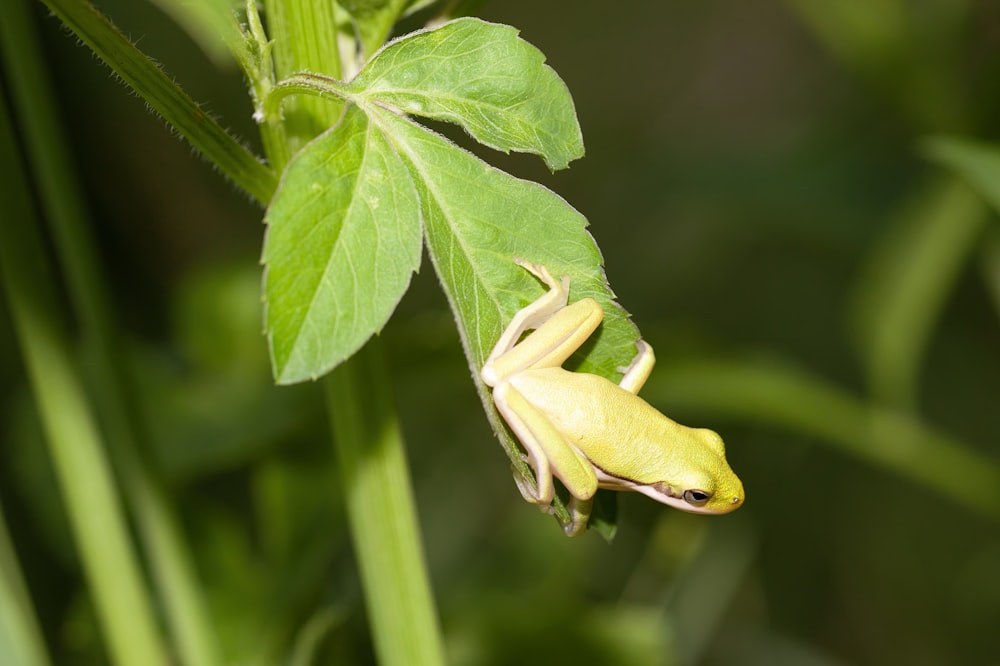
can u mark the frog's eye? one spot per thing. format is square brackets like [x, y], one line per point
[697, 497]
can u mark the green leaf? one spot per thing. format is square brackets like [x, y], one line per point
[343, 241]
[482, 77]
[476, 219]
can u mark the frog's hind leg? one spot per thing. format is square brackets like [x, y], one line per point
[548, 451]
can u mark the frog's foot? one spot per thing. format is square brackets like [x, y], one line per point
[579, 510]
[579, 513]
[535, 493]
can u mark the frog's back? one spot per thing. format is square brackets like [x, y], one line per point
[595, 412]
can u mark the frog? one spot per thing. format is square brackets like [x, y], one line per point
[588, 431]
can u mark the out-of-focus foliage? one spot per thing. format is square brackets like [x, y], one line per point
[819, 285]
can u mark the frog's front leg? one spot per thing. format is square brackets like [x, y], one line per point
[533, 315]
[638, 371]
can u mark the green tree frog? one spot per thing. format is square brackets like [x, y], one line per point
[590, 432]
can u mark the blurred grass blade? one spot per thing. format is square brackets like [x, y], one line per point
[906, 283]
[865, 34]
[110, 564]
[109, 378]
[166, 97]
[899, 49]
[209, 23]
[762, 392]
[990, 263]
[977, 163]
[452, 9]
[706, 587]
[373, 20]
[21, 641]
[306, 649]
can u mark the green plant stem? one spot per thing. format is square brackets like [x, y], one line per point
[96, 517]
[369, 445]
[304, 33]
[381, 511]
[256, 60]
[304, 83]
[62, 200]
[166, 97]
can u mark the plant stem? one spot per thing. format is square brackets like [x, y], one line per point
[369, 444]
[381, 510]
[304, 33]
[124, 608]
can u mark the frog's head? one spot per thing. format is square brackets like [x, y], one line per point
[704, 483]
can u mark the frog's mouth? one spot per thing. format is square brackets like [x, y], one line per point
[692, 500]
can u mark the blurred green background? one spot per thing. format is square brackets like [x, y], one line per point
[818, 289]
